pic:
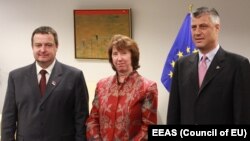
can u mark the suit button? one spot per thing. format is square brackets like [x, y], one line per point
[41, 109]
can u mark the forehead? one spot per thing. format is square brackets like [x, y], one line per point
[201, 19]
[119, 48]
[43, 37]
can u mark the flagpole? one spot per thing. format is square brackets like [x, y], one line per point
[190, 8]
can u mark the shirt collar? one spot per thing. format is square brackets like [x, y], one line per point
[210, 55]
[48, 69]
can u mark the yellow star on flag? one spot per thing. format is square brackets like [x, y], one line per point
[195, 51]
[170, 74]
[173, 63]
[180, 54]
[188, 49]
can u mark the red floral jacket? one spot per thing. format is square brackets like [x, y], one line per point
[122, 112]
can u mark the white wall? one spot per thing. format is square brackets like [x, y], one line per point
[155, 24]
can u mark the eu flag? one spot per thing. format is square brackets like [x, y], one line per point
[183, 45]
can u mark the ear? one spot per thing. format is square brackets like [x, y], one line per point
[217, 26]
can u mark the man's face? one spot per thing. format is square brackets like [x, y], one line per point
[204, 32]
[44, 49]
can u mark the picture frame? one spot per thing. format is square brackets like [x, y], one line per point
[93, 29]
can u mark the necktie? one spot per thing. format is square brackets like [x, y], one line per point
[202, 69]
[42, 84]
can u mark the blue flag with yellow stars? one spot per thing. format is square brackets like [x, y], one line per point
[183, 45]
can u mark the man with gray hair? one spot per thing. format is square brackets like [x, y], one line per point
[211, 86]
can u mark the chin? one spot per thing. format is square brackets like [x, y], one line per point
[42, 60]
[199, 46]
[121, 71]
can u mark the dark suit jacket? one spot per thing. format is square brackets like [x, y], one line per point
[224, 97]
[57, 116]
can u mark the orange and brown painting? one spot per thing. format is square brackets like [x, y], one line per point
[94, 29]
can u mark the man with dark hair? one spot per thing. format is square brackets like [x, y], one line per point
[46, 100]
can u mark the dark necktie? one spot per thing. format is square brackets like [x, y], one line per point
[42, 84]
[202, 69]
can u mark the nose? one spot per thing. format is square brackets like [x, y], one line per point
[197, 31]
[43, 48]
[119, 57]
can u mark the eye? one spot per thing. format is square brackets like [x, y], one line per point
[203, 26]
[124, 52]
[193, 27]
[49, 44]
[114, 53]
[37, 45]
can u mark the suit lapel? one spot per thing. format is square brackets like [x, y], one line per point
[32, 78]
[216, 66]
[54, 81]
[194, 75]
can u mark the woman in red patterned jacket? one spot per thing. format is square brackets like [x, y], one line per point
[125, 103]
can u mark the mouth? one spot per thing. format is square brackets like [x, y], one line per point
[199, 40]
[120, 65]
[42, 56]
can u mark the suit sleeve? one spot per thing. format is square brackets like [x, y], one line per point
[173, 114]
[81, 108]
[9, 114]
[93, 125]
[242, 93]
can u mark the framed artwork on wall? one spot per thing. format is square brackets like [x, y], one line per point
[93, 30]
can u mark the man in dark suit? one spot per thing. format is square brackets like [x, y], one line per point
[212, 86]
[59, 113]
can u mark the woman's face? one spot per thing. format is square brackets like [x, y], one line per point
[122, 60]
